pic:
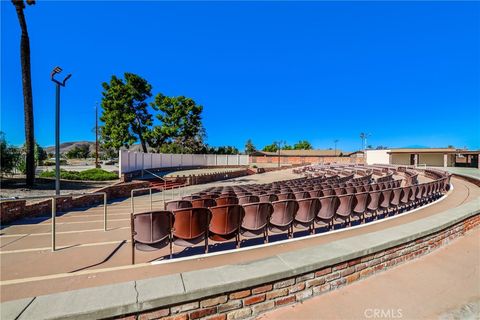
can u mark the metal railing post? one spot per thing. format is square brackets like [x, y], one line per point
[105, 211]
[131, 202]
[54, 213]
[150, 199]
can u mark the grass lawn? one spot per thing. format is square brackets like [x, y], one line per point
[87, 175]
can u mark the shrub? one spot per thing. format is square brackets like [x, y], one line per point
[87, 175]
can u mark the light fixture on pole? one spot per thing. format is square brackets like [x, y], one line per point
[58, 84]
[97, 165]
[335, 141]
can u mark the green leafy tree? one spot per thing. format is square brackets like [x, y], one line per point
[180, 128]
[270, 148]
[302, 145]
[223, 150]
[9, 156]
[40, 154]
[27, 91]
[125, 111]
[79, 152]
[249, 147]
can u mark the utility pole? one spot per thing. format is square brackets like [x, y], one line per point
[96, 136]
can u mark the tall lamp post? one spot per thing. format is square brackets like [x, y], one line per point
[279, 146]
[58, 84]
[96, 136]
[335, 141]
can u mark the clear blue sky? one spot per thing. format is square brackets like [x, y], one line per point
[406, 72]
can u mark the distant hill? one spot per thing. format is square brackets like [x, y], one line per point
[67, 146]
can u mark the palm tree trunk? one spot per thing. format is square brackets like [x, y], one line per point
[27, 94]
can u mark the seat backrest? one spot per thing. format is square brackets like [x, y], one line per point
[328, 192]
[152, 227]
[268, 197]
[350, 189]
[385, 198]
[397, 195]
[226, 219]
[307, 209]
[191, 223]
[338, 191]
[315, 193]
[406, 193]
[226, 200]
[346, 204]
[360, 202]
[257, 215]
[177, 204]
[286, 196]
[204, 203]
[248, 199]
[413, 194]
[374, 200]
[284, 212]
[301, 195]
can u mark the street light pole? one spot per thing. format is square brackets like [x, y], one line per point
[57, 124]
[335, 141]
[96, 136]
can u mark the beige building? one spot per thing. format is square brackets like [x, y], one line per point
[431, 157]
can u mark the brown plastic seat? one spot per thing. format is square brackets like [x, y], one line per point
[301, 195]
[373, 202]
[307, 212]
[203, 203]
[406, 194]
[359, 189]
[385, 198]
[255, 221]
[396, 198]
[151, 231]
[190, 226]
[226, 222]
[339, 191]
[284, 212]
[413, 195]
[268, 197]
[350, 189]
[226, 200]
[286, 196]
[248, 199]
[315, 193]
[360, 205]
[177, 204]
[328, 192]
[328, 206]
[345, 207]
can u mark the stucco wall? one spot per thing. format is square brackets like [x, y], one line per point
[377, 156]
[431, 159]
[403, 159]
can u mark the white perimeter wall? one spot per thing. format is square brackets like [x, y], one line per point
[377, 156]
[132, 161]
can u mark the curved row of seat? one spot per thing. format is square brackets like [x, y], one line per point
[226, 217]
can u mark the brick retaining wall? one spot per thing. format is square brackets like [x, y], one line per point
[250, 302]
[14, 210]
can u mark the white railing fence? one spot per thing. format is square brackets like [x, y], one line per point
[132, 161]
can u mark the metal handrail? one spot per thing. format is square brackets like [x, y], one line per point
[172, 194]
[54, 208]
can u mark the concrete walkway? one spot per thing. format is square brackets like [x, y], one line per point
[444, 284]
[471, 172]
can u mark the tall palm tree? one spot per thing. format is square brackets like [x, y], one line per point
[27, 91]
